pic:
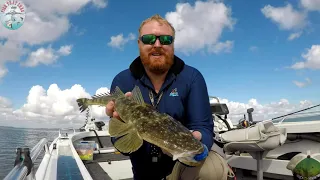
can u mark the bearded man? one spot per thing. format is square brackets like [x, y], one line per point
[177, 89]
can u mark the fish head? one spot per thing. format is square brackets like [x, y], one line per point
[125, 106]
[186, 154]
[190, 161]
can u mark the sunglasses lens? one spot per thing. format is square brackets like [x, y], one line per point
[148, 39]
[166, 39]
[151, 39]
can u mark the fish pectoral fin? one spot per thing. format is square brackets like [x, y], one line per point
[130, 142]
[128, 138]
[137, 95]
[118, 127]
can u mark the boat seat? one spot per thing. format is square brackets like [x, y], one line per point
[263, 136]
[257, 140]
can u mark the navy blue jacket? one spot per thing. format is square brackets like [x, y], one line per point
[185, 98]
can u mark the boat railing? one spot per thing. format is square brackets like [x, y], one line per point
[24, 162]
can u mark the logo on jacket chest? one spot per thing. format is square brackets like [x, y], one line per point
[174, 92]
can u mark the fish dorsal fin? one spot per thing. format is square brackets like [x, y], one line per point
[117, 92]
[100, 95]
[137, 95]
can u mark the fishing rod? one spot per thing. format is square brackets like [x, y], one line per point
[296, 112]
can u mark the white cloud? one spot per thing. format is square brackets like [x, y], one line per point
[3, 71]
[253, 48]
[294, 35]
[100, 3]
[10, 52]
[53, 106]
[4, 102]
[77, 30]
[285, 17]
[65, 50]
[237, 110]
[222, 47]
[201, 26]
[302, 84]
[312, 59]
[119, 41]
[46, 56]
[61, 7]
[44, 23]
[311, 5]
[5, 108]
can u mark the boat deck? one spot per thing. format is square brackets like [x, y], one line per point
[101, 165]
[67, 167]
[98, 168]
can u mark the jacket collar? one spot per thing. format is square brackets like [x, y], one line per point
[138, 71]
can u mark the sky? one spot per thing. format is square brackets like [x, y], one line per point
[260, 54]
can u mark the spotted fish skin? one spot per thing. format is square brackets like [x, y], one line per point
[141, 121]
[158, 128]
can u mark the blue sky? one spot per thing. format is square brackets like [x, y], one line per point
[244, 54]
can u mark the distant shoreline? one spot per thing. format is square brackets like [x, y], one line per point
[38, 128]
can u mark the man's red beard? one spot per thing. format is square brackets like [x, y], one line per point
[155, 65]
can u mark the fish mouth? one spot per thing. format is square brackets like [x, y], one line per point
[186, 155]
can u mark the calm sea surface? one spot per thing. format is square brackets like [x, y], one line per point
[11, 138]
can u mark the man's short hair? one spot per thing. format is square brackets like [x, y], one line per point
[160, 20]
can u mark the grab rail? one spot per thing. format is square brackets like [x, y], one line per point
[24, 163]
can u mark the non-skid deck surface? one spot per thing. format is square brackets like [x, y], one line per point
[99, 167]
[67, 166]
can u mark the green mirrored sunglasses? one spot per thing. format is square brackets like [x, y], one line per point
[151, 39]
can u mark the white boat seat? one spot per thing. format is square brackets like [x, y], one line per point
[257, 140]
[263, 136]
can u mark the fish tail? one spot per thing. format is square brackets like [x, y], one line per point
[82, 103]
[128, 138]
[98, 99]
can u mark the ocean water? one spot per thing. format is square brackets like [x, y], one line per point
[12, 138]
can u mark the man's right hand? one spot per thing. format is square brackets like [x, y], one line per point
[110, 108]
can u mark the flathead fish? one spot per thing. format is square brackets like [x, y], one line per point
[141, 121]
